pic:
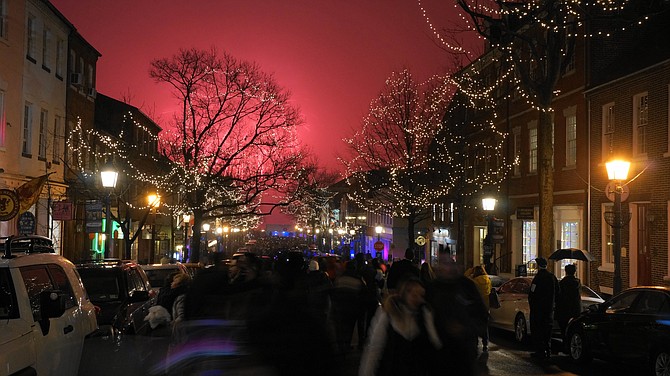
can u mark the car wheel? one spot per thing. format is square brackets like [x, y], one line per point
[578, 348]
[661, 363]
[520, 328]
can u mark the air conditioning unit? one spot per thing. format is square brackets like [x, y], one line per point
[75, 78]
[91, 92]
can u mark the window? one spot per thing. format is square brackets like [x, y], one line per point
[27, 129]
[640, 117]
[608, 131]
[3, 19]
[529, 245]
[3, 118]
[46, 46]
[30, 38]
[59, 139]
[532, 149]
[571, 138]
[60, 57]
[44, 125]
[36, 279]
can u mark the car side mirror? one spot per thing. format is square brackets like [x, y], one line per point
[139, 296]
[52, 304]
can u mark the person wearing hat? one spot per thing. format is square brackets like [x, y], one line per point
[544, 291]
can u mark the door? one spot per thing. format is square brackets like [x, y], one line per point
[58, 345]
[643, 251]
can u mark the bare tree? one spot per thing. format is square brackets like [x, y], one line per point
[389, 166]
[233, 142]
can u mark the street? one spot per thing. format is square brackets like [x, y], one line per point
[140, 355]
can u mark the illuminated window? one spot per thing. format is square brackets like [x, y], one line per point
[529, 241]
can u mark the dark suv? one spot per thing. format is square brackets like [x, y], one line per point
[121, 291]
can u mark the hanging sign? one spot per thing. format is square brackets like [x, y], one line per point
[26, 223]
[93, 216]
[9, 204]
[62, 211]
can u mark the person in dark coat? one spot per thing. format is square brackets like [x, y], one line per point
[544, 290]
[460, 316]
[569, 302]
[402, 269]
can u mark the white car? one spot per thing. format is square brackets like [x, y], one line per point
[45, 314]
[514, 312]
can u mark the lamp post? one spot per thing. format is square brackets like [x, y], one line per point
[617, 172]
[187, 220]
[108, 176]
[488, 205]
[154, 201]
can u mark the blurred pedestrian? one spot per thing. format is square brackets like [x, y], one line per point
[426, 273]
[401, 269]
[403, 338]
[319, 286]
[569, 302]
[346, 300]
[179, 286]
[483, 283]
[460, 316]
[285, 327]
[544, 290]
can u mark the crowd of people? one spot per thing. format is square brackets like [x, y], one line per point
[299, 316]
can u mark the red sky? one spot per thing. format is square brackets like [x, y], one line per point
[333, 55]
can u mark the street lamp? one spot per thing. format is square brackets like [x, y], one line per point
[488, 205]
[378, 230]
[108, 175]
[617, 171]
[153, 201]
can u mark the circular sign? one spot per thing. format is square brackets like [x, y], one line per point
[420, 240]
[9, 204]
[379, 246]
[611, 188]
[26, 223]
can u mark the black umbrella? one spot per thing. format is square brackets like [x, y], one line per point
[571, 253]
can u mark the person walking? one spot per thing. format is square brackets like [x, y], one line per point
[544, 290]
[569, 302]
[403, 337]
[401, 269]
[483, 283]
[426, 273]
[460, 316]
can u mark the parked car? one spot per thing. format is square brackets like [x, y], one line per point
[632, 326]
[514, 312]
[158, 273]
[45, 314]
[122, 292]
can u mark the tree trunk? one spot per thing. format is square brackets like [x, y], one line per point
[546, 184]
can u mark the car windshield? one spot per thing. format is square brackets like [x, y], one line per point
[586, 292]
[102, 285]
